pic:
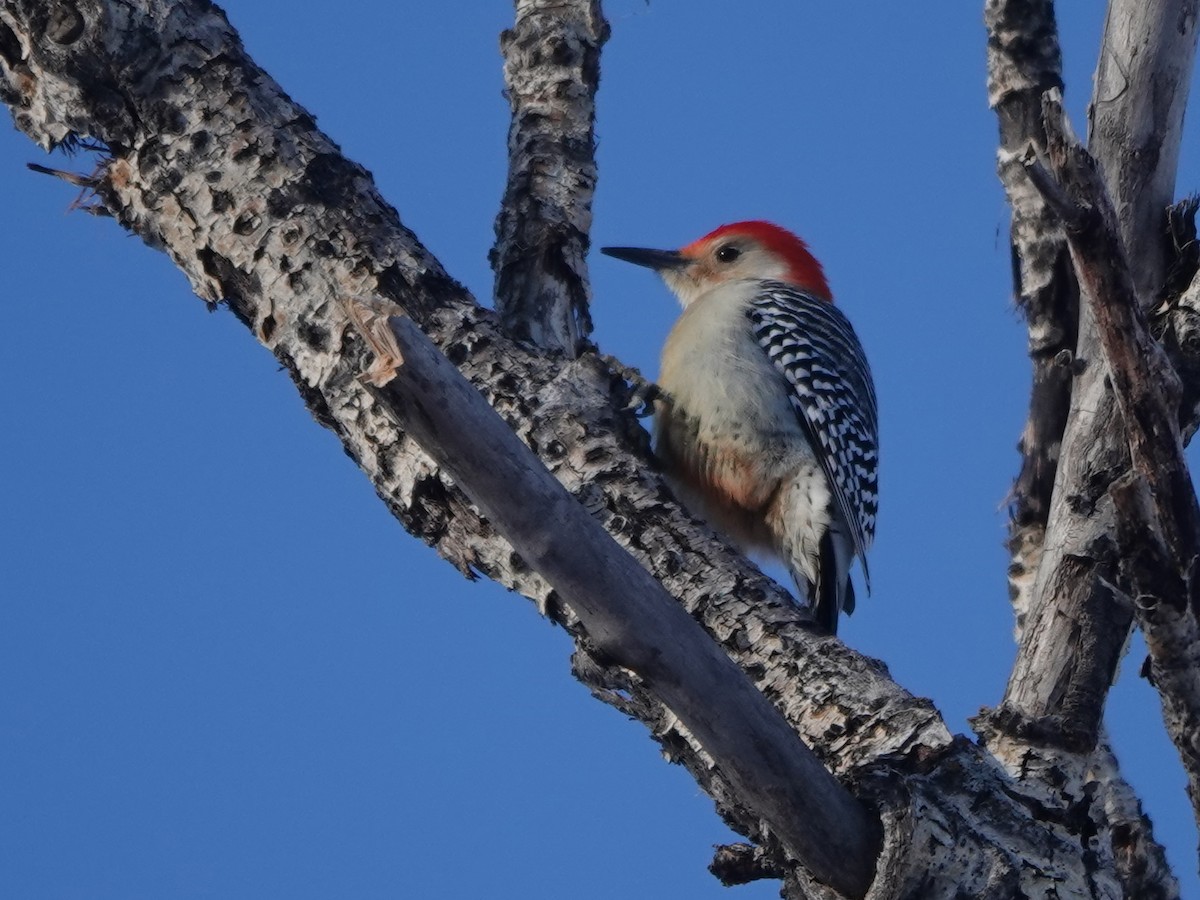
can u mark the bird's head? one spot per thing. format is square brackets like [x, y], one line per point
[738, 252]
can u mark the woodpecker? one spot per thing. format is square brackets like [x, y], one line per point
[767, 424]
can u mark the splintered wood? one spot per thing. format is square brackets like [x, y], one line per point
[371, 316]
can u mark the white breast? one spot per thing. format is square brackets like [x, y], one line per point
[714, 371]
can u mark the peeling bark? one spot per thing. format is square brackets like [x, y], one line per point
[1072, 618]
[1071, 630]
[1158, 515]
[1024, 61]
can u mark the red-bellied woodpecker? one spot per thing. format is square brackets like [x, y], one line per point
[767, 425]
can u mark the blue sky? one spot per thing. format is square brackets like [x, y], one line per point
[229, 673]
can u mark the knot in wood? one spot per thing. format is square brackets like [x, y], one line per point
[65, 25]
[245, 224]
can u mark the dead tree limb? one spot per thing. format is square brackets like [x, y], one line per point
[1070, 631]
[630, 621]
[552, 71]
[1024, 61]
[1158, 517]
[1076, 625]
[1135, 123]
[1071, 626]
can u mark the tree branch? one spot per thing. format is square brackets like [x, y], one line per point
[552, 71]
[1071, 628]
[1135, 128]
[1141, 861]
[1024, 61]
[1076, 627]
[1158, 517]
[630, 621]
[1070, 632]
[1135, 123]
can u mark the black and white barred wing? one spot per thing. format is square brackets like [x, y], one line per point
[816, 350]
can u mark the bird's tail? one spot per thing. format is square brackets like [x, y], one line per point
[833, 592]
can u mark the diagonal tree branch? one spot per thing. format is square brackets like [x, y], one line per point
[552, 71]
[630, 621]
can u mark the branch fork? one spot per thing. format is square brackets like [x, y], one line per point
[1157, 517]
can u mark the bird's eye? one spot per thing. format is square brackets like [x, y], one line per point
[728, 253]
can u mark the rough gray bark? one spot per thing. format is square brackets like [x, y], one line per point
[1070, 632]
[1159, 517]
[1134, 132]
[1073, 621]
[1024, 61]
[210, 161]
[1074, 627]
[1141, 863]
[1158, 524]
[552, 70]
[1136, 123]
[626, 613]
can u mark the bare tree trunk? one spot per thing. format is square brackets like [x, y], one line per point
[210, 161]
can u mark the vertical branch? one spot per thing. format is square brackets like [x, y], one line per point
[1025, 61]
[1156, 509]
[1076, 624]
[1136, 123]
[1139, 859]
[552, 71]
[1135, 128]
[1071, 625]
[1070, 633]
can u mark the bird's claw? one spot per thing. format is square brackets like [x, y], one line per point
[642, 392]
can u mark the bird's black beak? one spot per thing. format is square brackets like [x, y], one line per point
[659, 260]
